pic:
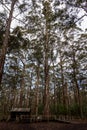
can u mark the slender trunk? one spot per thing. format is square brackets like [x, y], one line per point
[62, 80]
[5, 42]
[46, 72]
[37, 90]
[77, 92]
[21, 92]
[54, 80]
[22, 87]
[66, 96]
[30, 93]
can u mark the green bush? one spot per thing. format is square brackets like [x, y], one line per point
[40, 109]
[74, 110]
[85, 111]
[62, 110]
[59, 109]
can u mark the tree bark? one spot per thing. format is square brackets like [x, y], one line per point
[5, 42]
[37, 90]
[76, 89]
[46, 73]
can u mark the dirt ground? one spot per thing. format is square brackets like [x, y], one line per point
[42, 126]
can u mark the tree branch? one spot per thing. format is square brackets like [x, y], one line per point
[80, 18]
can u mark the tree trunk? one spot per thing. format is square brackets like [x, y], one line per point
[5, 42]
[22, 92]
[76, 89]
[54, 81]
[22, 87]
[46, 91]
[62, 79]
[46, 73]
[37, 91]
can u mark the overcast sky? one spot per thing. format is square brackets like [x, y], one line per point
[83, 23]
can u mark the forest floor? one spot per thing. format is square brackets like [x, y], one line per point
[43, 126]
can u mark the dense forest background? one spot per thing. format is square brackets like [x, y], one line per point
[43, 57]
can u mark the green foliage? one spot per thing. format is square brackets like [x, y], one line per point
[17, 40]
[74, 110]
[85, 110]
[62, 110]
[22, 7]
[40, 109]
[47, 11]
[53, 109]
[59, 109]
[2, 27]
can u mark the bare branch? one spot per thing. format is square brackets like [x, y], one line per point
[80, 18]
